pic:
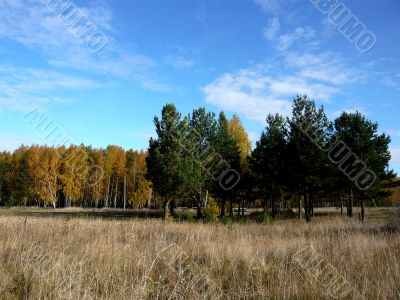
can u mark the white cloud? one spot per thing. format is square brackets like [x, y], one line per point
[33, 24]
[254, 137]
[393, 133]
[285, 41]
[395, 155]
[320, 66]
[325, 66]
[391, 81]
[23, 88]
[292, 85]
[245, 92]
[257, 91]
[272, 30]
[270, 6]
[300, 34]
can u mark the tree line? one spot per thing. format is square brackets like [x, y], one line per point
[203, 159]
[297, 162]
[74, 176]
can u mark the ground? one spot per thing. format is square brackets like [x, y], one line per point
[74, 254]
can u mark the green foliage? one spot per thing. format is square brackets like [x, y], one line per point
[188, 156]
[263, 217]
[211, 218]
[82, 215]
[362, 137]
[269, 159]
[164, 152]
[10, 202]
[184, 217]
[227, 221]
[286, 214]
[227, 149]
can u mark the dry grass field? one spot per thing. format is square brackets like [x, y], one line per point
[97, 258]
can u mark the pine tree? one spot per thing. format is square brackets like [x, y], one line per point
[228, 151]
[367, 150]
[310, 132]
[269, 158]
[201, 131]
[165, 154]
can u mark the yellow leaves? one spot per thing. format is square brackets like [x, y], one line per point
[394, 198]
[238, 132]
[115, 162]
[42, 173]
[141, 195]
[73, 172]
[45, 175]
[139, 189]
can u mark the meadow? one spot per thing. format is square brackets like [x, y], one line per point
[79, 256]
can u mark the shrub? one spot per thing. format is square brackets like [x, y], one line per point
[10, 202]
[287, 214]
[212, 207]
[211, 218]
[184, 218]
[263, 217]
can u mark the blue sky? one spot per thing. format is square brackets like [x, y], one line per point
[244, 57]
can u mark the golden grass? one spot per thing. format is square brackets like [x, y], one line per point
[57, 258]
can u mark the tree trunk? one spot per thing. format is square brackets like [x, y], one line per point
[362, 207]
[199, 205]
[341, 205]
[266, 202]
[306, 205]
[243, 205]
[222, 215]
[124, 191]
[166, 210]
[312, 197]
[108, 192]
[206, 199]
[116, 193]
[350, 208]
[273, 202]
[172, 207]
[231, 207]
[299, 207]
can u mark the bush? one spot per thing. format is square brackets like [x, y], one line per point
[242, 220]
[212, 207]
[227, 221]
[263, 217]
[184, 218]
[287, 214]
[10, 202]
[82, 214]
[211, 218]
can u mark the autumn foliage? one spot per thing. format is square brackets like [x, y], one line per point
[74, 175]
